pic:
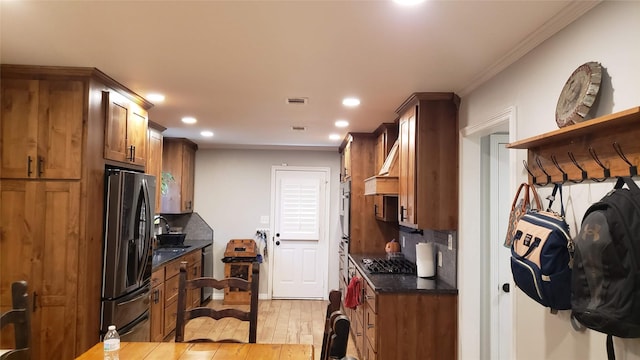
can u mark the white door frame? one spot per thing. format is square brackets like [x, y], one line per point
[472, 344]
[323, 243]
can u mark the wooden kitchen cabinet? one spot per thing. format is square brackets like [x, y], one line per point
[178, 159]
[157, 305]
[345, 159]
[164, 293]
[41, 131]
[40, 245]
[154, 159]
[366, 234]
[53, 123]
[428, 161]
[385, 208]
[407, 325]
[125, 134]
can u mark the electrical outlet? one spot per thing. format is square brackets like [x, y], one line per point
[439, 258]
[450, 242]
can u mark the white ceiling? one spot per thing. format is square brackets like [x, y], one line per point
[233, 64]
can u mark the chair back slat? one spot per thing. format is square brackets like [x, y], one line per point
[335, 298]
[184, 315]
[19, 316]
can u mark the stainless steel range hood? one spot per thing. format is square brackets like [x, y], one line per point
[386, 182]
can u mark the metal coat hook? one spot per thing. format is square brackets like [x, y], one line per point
[584, 173]
[605, 170]
[564, 174]
[526, 167]
[544, 171]
[633, 170]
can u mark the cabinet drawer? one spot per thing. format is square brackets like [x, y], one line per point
[359, 338]
[172, 269]
[193, 258]
[157, 277]
[171, 290]
[170, 312]
[370, 326]
[370, 297]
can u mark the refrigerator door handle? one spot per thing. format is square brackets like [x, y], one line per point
[148, 230]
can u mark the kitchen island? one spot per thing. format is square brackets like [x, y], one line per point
[403, 316]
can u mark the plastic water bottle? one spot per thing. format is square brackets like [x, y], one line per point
[111, 344]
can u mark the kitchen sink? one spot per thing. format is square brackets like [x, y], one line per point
[170, 239]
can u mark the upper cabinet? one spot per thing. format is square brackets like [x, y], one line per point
[428, 161]
[345, 159]
[125, 135]
[178, 160]
[42, 127]
[154, 159]
[385, 208]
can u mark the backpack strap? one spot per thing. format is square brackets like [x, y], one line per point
[552, 197]
[611, 355]
[626, 180]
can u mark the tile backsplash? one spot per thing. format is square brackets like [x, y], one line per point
[448, 271]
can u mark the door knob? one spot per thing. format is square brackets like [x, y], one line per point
[505, 287]
[278, 242]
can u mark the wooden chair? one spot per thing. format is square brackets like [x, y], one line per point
[336, 330]
[335, 298]
[19, 316]
[184, 315]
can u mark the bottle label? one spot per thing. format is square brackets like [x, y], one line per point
[111, 345]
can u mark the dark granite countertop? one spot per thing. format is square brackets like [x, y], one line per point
[392, 283]
[164, 255]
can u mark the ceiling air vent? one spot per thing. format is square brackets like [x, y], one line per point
[297, 100]
[298, 128]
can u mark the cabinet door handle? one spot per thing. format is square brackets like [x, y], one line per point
[35, 296]
[29, 161]
[132, 152]
[156, 296]
[369, 297]
[370, 326]
[375, 209]
[402, 209]
[40, 166]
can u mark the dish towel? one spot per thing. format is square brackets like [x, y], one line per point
[354, 289]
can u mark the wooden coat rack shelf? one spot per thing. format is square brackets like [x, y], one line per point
[596, 149]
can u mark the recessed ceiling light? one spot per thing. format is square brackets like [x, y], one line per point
[335, 137]
[206, 133]
[342, 123]
[155, 97]
[189, 120]
[408, 2]
[351, 102]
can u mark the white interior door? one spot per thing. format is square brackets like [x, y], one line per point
[300, 235]
[501, 286]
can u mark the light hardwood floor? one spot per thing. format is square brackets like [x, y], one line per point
[279, 321]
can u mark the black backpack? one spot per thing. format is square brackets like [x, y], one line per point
[605, 286]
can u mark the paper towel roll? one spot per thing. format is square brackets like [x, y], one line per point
[425, 259]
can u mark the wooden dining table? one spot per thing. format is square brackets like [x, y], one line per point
[204, 351]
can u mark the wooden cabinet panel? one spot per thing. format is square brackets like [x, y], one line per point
[178, 159]
[154, 159]
[170, 313]
[171, 289]
[125, 135]
[157, 313]
[428, 161]
[42, 125]
[36, 216]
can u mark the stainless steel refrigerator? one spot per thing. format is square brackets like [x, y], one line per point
[127, 253]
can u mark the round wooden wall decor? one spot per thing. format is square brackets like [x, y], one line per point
[578, 94]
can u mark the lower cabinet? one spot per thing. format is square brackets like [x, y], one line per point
[164, 294]
[405, 325]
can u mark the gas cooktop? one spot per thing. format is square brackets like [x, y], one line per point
[389, 266]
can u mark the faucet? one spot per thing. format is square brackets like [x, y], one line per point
[156, 221]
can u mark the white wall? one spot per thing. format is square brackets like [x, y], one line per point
[607, 34]
[233, 190]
